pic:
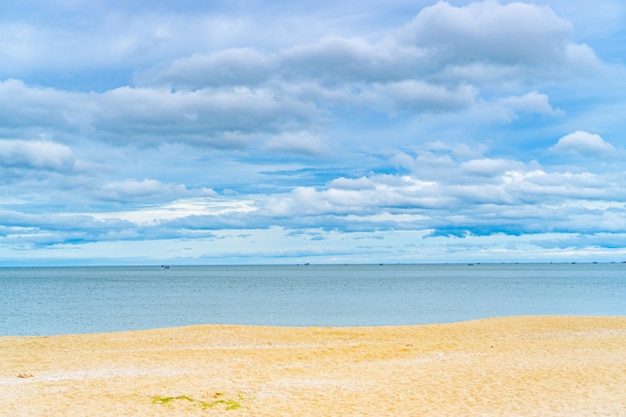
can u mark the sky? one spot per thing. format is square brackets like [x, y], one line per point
[281, 132]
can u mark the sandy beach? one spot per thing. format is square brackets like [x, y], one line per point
[516, 366]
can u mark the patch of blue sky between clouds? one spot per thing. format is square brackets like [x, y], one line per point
[273, 132]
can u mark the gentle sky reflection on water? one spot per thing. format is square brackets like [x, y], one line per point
[41, 301]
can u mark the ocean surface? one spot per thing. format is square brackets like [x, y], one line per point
[59, 300]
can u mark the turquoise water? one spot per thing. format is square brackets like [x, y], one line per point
[48, 301]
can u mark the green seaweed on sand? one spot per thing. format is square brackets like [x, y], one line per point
[165, 400]
[218, 399]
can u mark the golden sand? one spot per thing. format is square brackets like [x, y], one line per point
[517, 366]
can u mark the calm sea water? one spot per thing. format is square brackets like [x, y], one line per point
[47, 301]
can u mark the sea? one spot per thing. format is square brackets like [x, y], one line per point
[76, 300]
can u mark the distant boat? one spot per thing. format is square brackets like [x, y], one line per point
[165, 266]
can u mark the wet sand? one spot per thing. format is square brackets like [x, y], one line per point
[516, 366]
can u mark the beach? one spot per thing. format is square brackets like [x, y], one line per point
[509, 366]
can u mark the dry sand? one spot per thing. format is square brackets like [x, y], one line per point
[518, 366]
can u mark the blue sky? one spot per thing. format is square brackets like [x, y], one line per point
[223, 132]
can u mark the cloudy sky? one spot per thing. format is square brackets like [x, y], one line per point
[249, 131]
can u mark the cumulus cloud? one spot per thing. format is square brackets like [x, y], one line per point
[511, 34]
[239, 66]
[585, 144]
[510, 108]
[198, 116]
[147, 189]
[224, 118]
[362, 183]
[230, 97]
[481, 37]
[532, 102]
[36, 155]
[347, 128]
[303, 143]
[354, 59]
[80, 38]
[466, 196]
[583, 59]
[30, 107]
[502, 197]
[487, 167]
[423, 97]
[358, 197]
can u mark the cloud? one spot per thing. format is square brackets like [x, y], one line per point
[303, 143]
[197, 116]
[532, 102]
[423, 97]
[237, 66]
[517, 107]
[230, 98]
[81, 39]
[583, 59]
[224, 118]
[164, 123]
[39, 155]
[46, 109]
[463, 196]
[512, 34]
[362, 183]
[587, 145]
[489, 44]
[487, 167]
[335, 59]
[147, 189]
[466, 197]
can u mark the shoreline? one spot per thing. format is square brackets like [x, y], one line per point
[520, 365]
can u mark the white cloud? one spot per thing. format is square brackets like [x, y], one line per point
[532, 102]
[238, 66]
[512, 108]
[423, 97]
[489, 167]
[28, 107]
[229, 98]
[483, 197]
[511, 34]
[583, 59]
[147, 189]
[224, 118]
[36, 155]
[354, 59]
[87, 38]
[197, 116]
[362, 183]
[303, 143]
[179, 209]
[357, 197]
[328, 116]
[585, 144]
